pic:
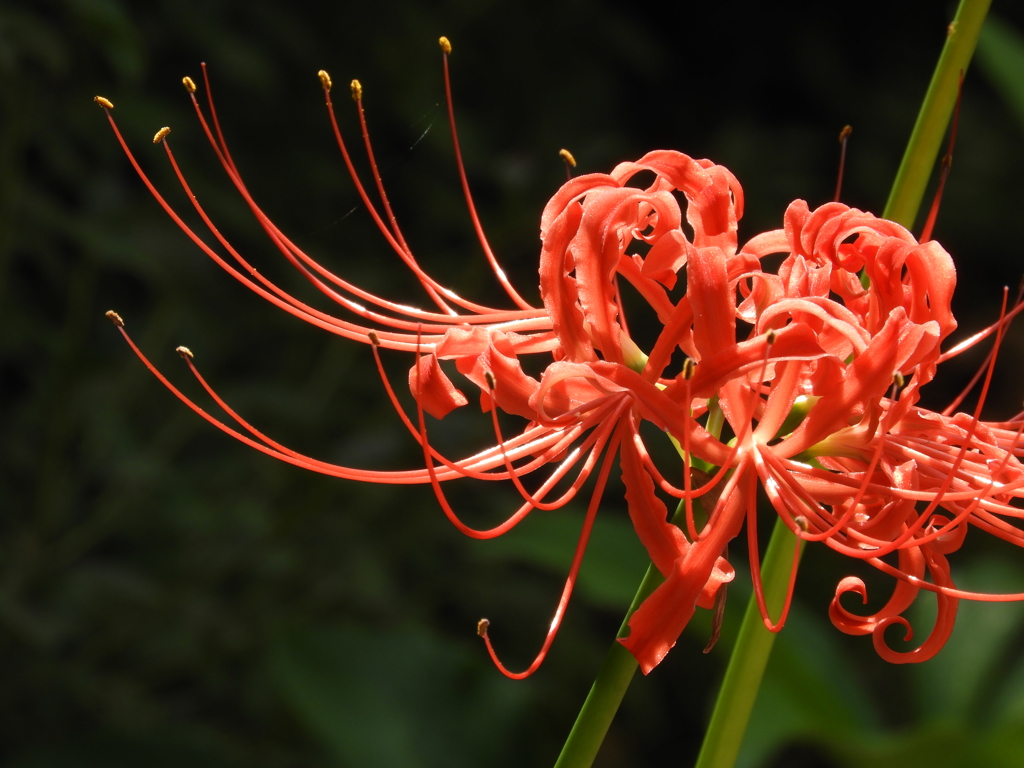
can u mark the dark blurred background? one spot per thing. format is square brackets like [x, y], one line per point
[170, 597]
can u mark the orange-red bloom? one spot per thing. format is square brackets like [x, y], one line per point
[802, 381]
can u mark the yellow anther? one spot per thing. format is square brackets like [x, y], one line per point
[189, 84]
[897, 379]
[688, 368]
[374, 338]
[161, 135]
[845, 133]
[802, 523]
[325, 79]
[491, 381]
[446, 46]
[770, 336]
[483, 624]
[105, 103]
[357, 90]
[566, 155]
[185, 352]
[115, 318]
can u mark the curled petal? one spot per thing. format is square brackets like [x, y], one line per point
[912, 563]
[433, 389]
[943, 628]
[513, 389]
[666, 257]
[951, 540]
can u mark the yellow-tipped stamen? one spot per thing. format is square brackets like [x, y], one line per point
[357, 90]
[770, 336]
[445, 44]
[185, 353]
[189, 83]
[105, 103]
[325, 79]
[481, 237]
[161, 135]
[483, 624]
[570, 162]
[115, 318]
[897, 379]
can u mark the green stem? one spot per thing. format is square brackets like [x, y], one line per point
[926, 139]
[613, 678]
[749, 656]
[607, 691]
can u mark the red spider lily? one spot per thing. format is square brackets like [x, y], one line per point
[804, 395]
[800, 381]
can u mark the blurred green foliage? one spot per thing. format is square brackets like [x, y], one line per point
[169, 597]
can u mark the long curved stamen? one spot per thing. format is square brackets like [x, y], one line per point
[570, 582]
[973, 339]
[340, 299]
[600, 435]
[463, 468]
[984, 364]
[446, 48]
[220, 143]
[543, 443]
[960, 594]
[400, 477]
[755, 560]
[220, 148]
[289, 303]
[405, 255]
[970, 508]
[340, 329]
[517, 517]
[357, 96]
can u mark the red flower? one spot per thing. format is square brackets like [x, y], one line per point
[799, 381]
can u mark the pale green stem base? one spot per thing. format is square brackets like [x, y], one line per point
[749, 656]
[607, 691]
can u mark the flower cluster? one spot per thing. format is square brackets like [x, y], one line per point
[789, 367]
